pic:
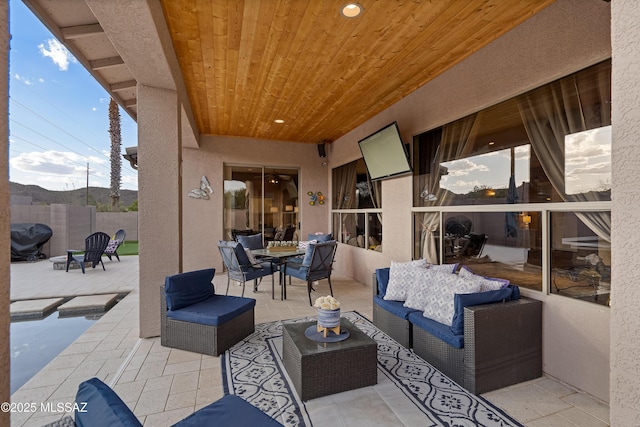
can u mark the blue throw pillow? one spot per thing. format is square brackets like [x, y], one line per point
[382, 277]
[306, 261]
[251, 242]
[320, 237]
[99, 406]
[189, 288]
[460, 301]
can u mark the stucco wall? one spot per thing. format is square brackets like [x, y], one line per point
[110, 222]
[566, 37]
[625, 298]
[202, 219]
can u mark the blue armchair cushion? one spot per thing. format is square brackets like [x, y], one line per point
[99, 406]
[437, 329]
[251, 242]
[394, 307]
[320, 237]
[296, 269]
[189, 288]
[214, 311]
[460, 301]
[230, 410]
[382, 277]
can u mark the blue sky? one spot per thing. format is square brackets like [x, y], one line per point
[58, 114]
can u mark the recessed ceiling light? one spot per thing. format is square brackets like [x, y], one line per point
[279, 121]
[491, 143]
[351, 10]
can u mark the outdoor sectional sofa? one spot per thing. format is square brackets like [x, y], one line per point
[495, 339]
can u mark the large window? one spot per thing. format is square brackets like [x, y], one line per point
[492, 179]
[260, 199]
[357, 203]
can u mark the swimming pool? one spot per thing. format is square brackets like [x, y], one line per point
[34, 343]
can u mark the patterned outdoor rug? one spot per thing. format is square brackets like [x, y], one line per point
[415, 392]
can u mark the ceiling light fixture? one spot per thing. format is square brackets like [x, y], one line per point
[279, 121]
[351, 10]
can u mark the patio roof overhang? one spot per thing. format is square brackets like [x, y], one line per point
[241, 65]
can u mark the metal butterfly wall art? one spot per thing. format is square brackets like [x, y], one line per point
[204, 190]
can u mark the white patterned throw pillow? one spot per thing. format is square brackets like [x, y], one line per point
[486, 283]
[401, 277]
[419, 292]
[440, 295]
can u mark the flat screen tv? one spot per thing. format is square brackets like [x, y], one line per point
[384, 154]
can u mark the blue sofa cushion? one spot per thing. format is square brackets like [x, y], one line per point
[99, 406]
[251, 242]
[320, 237]
[189, 288]
[437, 329]
[393, 307]
[460, 301]
[214, 311]
[382, 277]
[230, 410]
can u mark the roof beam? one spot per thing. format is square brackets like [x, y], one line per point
[98, 64]
[129, 84]
[78, 31]
[131, 102]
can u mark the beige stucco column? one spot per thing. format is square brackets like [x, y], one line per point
[5, 221]
[159, 201]
[625, 234]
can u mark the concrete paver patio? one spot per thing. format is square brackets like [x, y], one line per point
[163, 385]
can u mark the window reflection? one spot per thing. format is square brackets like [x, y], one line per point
[587, 163]
[554, 141]
[505, 245]
[581, 256]
[352, 189]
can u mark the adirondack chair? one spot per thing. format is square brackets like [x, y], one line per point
[114, 244]
[94, 247]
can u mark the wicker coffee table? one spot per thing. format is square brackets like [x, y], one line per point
[319, 369]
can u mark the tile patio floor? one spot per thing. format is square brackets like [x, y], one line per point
[164, 385]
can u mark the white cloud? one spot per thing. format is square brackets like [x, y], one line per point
[23, 79]
[94, 109]
[41, 80]
[58, 54]
[49, 162]
[464, 167]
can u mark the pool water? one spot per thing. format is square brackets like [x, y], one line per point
[34, 343]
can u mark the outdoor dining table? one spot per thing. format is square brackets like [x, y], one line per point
[278, 258]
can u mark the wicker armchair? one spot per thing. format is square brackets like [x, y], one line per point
[195, 318]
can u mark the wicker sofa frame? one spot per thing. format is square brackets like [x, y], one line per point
[502, 343]
[204, 339]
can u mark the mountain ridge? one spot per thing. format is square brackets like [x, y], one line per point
[97, 195]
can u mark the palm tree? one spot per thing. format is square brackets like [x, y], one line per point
[116, 139]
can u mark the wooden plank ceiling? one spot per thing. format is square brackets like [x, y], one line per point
[247, 63]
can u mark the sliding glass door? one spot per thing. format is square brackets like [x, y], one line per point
[261, 199]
